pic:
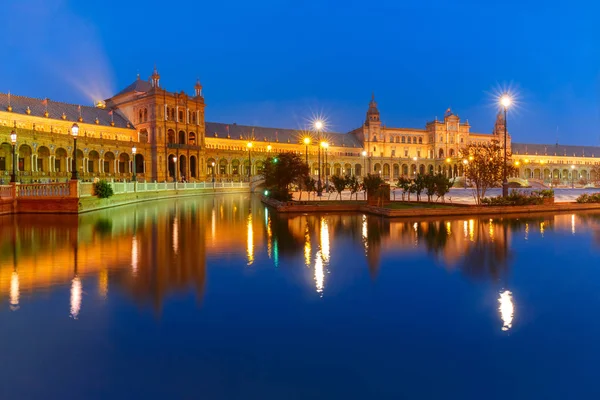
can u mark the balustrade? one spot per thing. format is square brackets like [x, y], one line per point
[36, 190]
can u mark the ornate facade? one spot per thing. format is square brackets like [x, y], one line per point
[173, 141]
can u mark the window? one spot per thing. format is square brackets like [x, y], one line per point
[419, 153]
[90, 166]
[462, 140]
[374, 149]
[375, 138]
[180, 116]
[397, 139]
[420, 140]
[57, 165]
[393, 153]
[405, 152]
[140, 117]
[2, 164]
[145, 114]
[403, 139]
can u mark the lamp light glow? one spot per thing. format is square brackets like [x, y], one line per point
[75, 130]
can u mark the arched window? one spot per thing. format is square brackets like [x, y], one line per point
[180, 116]
[397, 139]
[375, 138]
[140, 117]
[420, 140]
[403, 139]
[145, 114]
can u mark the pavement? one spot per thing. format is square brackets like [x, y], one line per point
[459, 195]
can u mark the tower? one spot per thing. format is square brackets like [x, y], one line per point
[372, 130]
[155, 77]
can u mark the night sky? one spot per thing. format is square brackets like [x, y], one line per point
[276, 63]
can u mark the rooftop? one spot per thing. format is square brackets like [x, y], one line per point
[555, 149]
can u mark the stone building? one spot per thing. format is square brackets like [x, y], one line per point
[173, 141]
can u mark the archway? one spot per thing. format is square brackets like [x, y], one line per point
[405, 169]
[182, 137]
[171, 136]
[80, 160]
[172, 160]
[182, 167]
[109, 162]
[347, 170]
[422, 169]
[43, 158]
[358, 169]
[441, 153]
[93, 162]
[337, 169]
[386, 171]
[124, 163]
[24, 158]
[235, 167]
[211, 166]
[396, 171]
[193, 167]
[139, 164]
[5, 157]
[259, 165]
[377, 168]
[192, 139]
[223, 167]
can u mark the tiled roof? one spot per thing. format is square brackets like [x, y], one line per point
[56, 109]
[137, 86]
[237, 132]
[555, 149]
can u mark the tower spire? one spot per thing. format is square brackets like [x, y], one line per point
[155, 78]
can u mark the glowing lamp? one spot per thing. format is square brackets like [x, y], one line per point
[306, 140]
[318, 125]
[364, 153]
[249, 145]
[269, 147]
[75, 130]
[505, 100]
[13, 137]
[133, 150]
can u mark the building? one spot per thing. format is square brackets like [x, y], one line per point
[172, 140]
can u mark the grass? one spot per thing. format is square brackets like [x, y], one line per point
[331, 202]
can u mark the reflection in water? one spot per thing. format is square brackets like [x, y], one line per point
[319, 273]
[325, 240]
[307, 247]
[573, 224]
[103, 283]
[250, 241]
[507, 309]
[175, 235]
[134, 255]
[14, 291]
[75, 297]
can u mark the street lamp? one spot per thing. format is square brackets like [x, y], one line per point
[318, 125]
[306, 143]
[133, 151]
[364, 154]
[13, 140]
[75, 132]
[448, 160]
[506, 101]
[325, 145]
[249, 145]
[175, 166]
[572, 176]
[213, 173]
[465, 163]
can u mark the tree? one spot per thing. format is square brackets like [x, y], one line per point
[354, 185]
[430, 186]
[419, 185]
[442, 185]
[595, 172]
[281, 171]
[403, 183]
[308, 184]
[371, 183]
[485, 167]
[339, 183]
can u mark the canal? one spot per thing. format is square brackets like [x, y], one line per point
[219, 298]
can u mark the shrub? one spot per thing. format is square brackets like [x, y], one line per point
[589, 198]
[277, 193]
[546, 193]
[516, 198]
[103, 189]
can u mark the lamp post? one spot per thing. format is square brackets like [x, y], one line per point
[448, 160]
[572, 176]
[318, 125]
[249, 145]
[325, 145]
[415, 159]
[505, 100]
[176, 171]
[465, 163]
[74, 132]
[306, 143]
[133, 151]
[364, 154]
[13, 140]
[213, 174]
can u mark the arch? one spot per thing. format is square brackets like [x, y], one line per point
[583, 175]
[405, 169]
[403, 139]
[222, 166]
[192, 138]
[431, 169]
[528, 173]
[565, 174]
[43, 159]
[337, 169]
[422, 169]
[109, 162]
[24, 157]
[93, 164]
[171, 159]
[536, 173]
[193, 167]
[546, 174]
[441, 153]
[377, 168]
[451, 153]
[259, 165]
[386, 170]
[395, 171]
[143, 136]
[235, 167]
[315, 168]
[555, 174]
[170, 136]
[347, 169]
[124, 163]
[5, 157]
[145, 114]
[210, 169]
[140, 116]
[246, 167]
[182, 167]
[139, 164]
[182, 137]
[413, 170]
[358, 169]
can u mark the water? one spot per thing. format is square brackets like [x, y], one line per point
[220, 298]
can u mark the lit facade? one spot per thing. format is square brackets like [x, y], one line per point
[173, 141]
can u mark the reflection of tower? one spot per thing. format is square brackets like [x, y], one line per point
[14, 279]
[375, 228]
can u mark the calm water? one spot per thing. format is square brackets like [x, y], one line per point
[218, 298]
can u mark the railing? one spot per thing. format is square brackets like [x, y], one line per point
[86, 188]
[44, 190]
[6, 192]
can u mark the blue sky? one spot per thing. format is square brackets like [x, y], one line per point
[276, 63]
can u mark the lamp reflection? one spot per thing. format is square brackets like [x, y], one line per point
[134, 256]
[175, 235]
[307, 248]
[324, 240]
[75, 297]
[250, 241]
[103, 283]
[319, 273]
[507, 309]
[14, 291]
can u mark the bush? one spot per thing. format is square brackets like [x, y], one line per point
[281, 194]
[589, 198]
[516, 198]
[103, 189]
